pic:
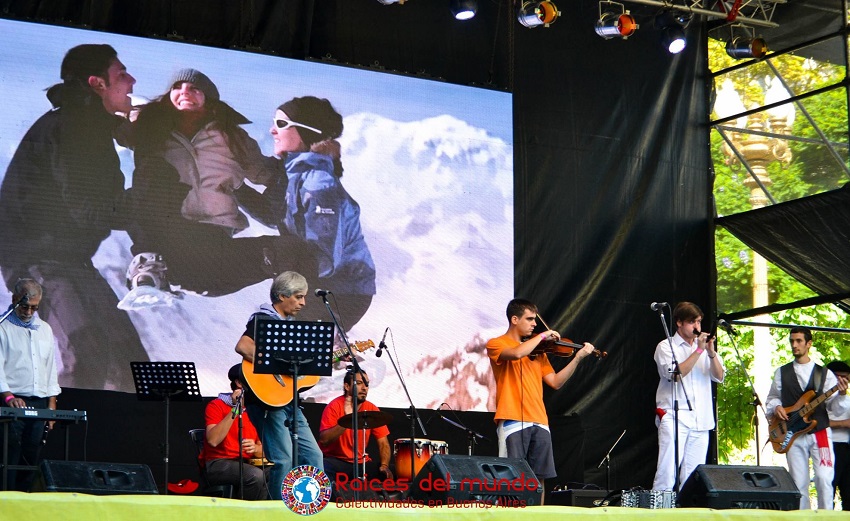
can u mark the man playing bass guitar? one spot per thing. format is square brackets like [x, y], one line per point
[790, 383]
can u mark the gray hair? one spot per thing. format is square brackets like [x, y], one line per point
[28, 287]
[286, 284]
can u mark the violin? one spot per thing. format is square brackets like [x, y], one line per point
[563, 347]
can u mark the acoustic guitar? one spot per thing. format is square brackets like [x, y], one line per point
[277, 390]
[782, 433]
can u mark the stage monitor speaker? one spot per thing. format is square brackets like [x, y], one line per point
[739, 486]
[455, 480]
[93, 478]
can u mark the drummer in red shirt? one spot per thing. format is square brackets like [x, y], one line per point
[337, 443]
[221, 447]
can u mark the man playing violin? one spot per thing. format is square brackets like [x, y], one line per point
[522, 424]
[699, 365]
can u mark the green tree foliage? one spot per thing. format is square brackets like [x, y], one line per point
[812, 169]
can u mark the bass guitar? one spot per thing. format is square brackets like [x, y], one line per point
[782, 433]
[277, 390]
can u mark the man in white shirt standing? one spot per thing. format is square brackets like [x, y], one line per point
[699, 365]
[28, 376]
[840, 424]
[790, 382]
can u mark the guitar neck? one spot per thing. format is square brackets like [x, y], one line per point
[809, 407]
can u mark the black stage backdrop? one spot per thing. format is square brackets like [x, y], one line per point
[612, 186]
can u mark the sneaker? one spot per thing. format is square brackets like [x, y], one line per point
[147, 269]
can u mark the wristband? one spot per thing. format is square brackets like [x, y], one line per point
[542, 337]
[10, 398]
[712, 357]
[700, 350]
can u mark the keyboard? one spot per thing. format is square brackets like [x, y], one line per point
[42, 414]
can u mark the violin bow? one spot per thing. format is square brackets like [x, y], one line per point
[543, 322]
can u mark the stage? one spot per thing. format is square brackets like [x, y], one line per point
[83, 507]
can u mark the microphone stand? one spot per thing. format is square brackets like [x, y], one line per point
[12, 309]
[414, 418]
[607, 461]
[355, 425]
[676, 378]
[238, 412]
[756, 403]
[471, 436]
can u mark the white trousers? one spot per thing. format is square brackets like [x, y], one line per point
[693, 447]
[803, 449]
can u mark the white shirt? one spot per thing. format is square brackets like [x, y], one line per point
[28, 360]
[697, 384]
[836, 405]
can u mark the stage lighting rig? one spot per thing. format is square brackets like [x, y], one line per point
[463, 9]
[742, 43]
[533, 14]
[614, 21]
[672, 30]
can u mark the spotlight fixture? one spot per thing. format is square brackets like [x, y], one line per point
[532, 14]
[672, 32]
[673, 39]
[388, 2]
[614, 21]
[463, 9]
[741, 47]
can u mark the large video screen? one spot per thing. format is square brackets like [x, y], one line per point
[429, 165]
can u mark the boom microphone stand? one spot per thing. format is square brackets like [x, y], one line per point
[756, 403]
[607, 461]
[676, 378]
[414, 418]
[355, 425]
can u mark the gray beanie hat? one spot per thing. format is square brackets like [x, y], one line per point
[199, 80]
[316, 112]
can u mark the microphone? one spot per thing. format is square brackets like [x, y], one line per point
[322, 292]
[438, 412]
[24, 300]
[657, 306]
[727, 327]
[383, 344]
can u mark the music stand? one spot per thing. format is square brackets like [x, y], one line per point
[167, 381]
[296, 348]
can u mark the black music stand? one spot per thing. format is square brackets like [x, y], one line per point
[167, 381]
[295, 348]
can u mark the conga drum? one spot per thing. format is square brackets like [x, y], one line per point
[439, 447]
[403, 452]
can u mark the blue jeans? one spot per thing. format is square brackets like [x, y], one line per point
[273, 429]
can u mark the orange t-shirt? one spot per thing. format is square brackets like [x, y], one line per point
[519, 383]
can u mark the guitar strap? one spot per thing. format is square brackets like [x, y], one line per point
[818, 379]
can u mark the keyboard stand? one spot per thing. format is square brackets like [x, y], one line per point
[7, 467]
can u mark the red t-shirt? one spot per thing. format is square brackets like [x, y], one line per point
[343, 447]
[229, 448]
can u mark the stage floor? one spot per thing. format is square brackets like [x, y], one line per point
[82, 507]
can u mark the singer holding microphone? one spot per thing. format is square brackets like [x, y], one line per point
[699, 365]
[221, 448]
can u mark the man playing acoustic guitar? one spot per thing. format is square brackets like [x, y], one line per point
[804, 440]
[288, 293]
